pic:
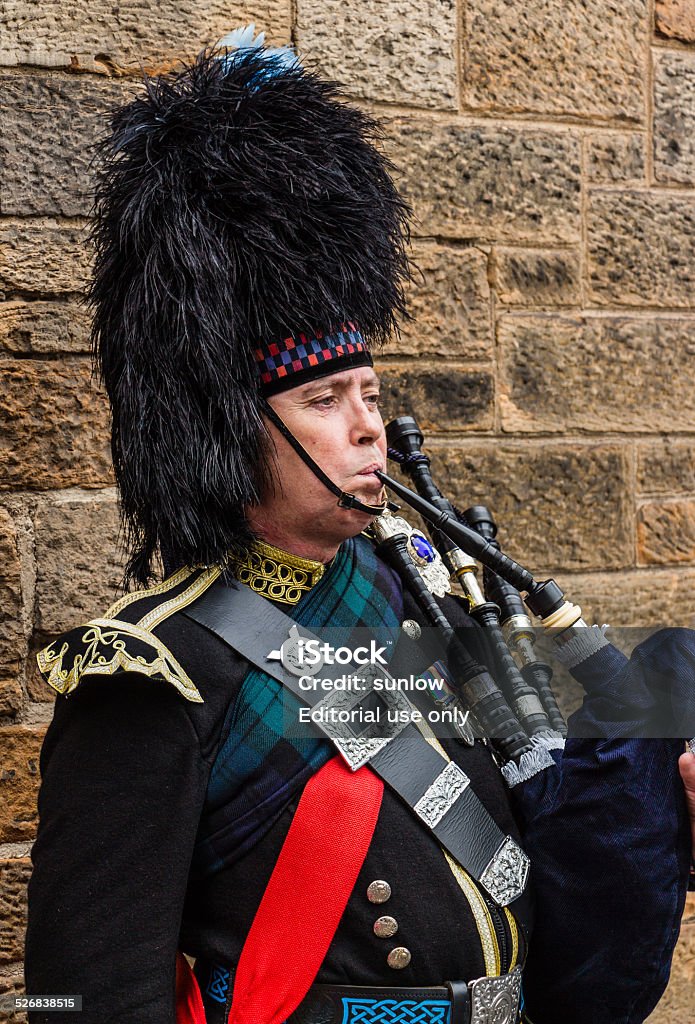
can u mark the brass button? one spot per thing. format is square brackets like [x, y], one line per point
[398, 958]
[385, 927]
[412, 629]
[378, 891]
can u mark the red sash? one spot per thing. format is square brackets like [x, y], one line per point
[189, 1002]
[303, 902]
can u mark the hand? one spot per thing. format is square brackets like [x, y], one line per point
[686, 766]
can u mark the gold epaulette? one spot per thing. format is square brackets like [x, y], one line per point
[112, 644]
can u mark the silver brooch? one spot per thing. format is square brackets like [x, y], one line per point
[422, 551]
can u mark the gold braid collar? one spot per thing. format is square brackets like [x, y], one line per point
[276, 574]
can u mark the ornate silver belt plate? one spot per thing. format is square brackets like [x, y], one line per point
[496, 1000]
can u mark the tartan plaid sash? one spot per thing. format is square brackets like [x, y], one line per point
[259, 768]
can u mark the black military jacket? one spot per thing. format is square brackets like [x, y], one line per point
[125, 767]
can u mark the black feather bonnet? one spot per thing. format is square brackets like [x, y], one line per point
[237, 200]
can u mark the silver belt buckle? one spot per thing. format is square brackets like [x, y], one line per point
[496, 1000]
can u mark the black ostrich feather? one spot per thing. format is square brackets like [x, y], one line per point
[231, 205]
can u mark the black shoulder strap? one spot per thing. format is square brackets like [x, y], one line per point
[438, 791]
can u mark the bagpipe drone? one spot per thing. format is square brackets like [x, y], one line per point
[600, 801]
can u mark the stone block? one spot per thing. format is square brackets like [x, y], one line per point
[37, 714]
[615, 157]
[444, 399]
[54, 426]
[12, 643]
[527, 277]
[79, 560]
[666, 467]
[45, 256]
[93, 35]
[677, 1005]
[595, 373]
[566, 506]
[12, 985]
[641, 249]
[635, 599]
[666, 532]
[550, 57]
[39, 693]
[39, 328]
[485, 182]
[11, 697]
[674, 118]
[14, 878]
[19, 782]
[676, 20]
[449, 301]
[401, 51]
[48, 129]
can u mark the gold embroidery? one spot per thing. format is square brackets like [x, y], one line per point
[481, 915]
[160, 588]
[104, 648]
[275, 573]
[511, 921]
[167, 608]
[479, 909]
[105, 652]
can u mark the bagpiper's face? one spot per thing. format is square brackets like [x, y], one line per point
[337, 419]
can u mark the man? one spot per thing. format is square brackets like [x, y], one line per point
[250, 252]
[686, 765]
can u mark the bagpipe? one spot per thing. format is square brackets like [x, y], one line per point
[599, 800]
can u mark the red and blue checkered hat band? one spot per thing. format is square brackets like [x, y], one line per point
[296, 360]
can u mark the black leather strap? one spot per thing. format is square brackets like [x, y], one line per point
[345, 499]
[460, 1002]
[326, 1004]
[254, 627]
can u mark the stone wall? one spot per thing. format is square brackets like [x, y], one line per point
[548, 151]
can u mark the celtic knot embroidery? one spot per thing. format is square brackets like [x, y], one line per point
[218, 984]
[395, 1011]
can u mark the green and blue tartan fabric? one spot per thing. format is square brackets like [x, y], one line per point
[259, 766]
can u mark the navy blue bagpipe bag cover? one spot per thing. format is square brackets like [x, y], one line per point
[608, 835]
